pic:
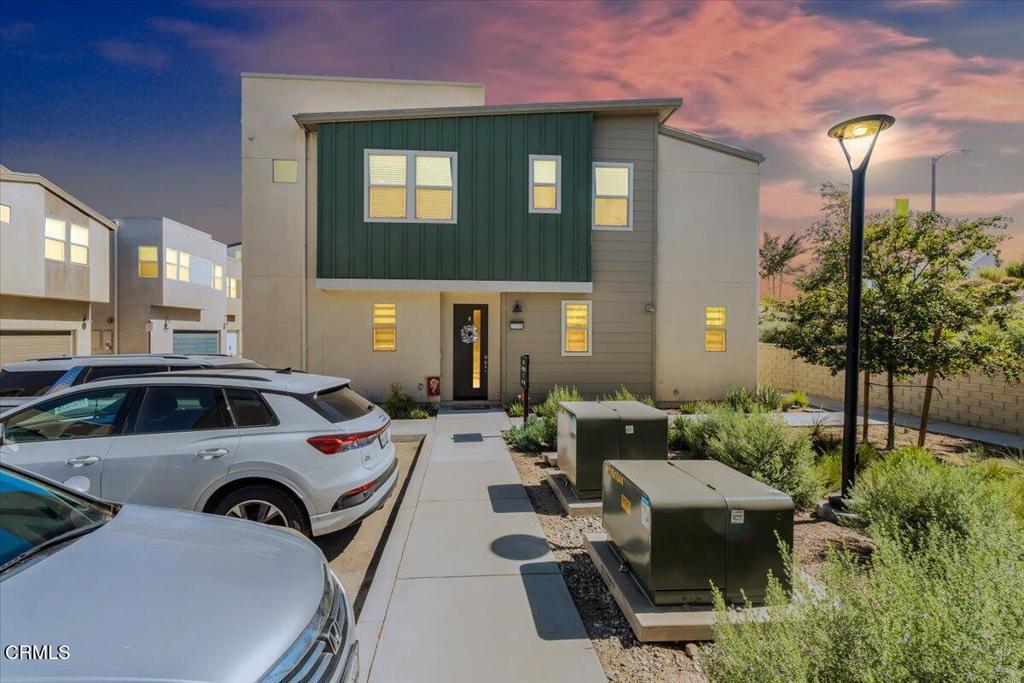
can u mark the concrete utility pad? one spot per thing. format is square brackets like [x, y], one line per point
[500, 629]
[571, 504]
[471, 480]
[473, 538]
[650, 622]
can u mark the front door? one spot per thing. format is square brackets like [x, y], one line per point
[469, 355]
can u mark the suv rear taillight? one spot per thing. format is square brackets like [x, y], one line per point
[332, 444]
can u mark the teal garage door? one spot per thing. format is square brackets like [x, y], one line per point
[196, 342]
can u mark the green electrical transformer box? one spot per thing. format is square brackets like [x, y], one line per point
[683, 525]
[590, 432]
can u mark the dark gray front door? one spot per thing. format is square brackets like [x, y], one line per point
[469, 353]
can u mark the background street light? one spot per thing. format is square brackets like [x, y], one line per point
[935, 160]
[852, 129]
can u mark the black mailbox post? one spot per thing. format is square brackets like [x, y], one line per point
[524, 382]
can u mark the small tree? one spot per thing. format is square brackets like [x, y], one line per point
[777, 256]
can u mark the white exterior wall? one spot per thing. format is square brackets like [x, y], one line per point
[21, 240]
[278, 228]
[706, 256]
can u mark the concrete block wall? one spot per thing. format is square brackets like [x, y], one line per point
[974, 400]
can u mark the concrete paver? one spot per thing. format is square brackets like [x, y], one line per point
[474, 593]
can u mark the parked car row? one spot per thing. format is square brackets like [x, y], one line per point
[301, 452]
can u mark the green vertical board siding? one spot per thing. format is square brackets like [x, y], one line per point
[495, 238]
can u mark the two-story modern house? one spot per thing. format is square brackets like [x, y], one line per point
[406, 232]
[173, 289]
[54, 270]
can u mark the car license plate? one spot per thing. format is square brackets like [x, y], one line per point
[383, 439]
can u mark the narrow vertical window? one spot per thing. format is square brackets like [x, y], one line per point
[545, 184]
[385, 327]
[714, 328]
[613, 196]
[232, 288]
[171, 264]
[149, 262]
[218, 277]
[5, 213]
[286, 171]
[386, 194]
[434, 188]
[183, 266]
[577, 326]
[79, 244]
[477, 349]
[55, 239]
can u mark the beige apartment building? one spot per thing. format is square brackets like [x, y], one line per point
[407, 232]
[54, 270]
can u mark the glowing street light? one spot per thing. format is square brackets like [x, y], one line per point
[852, 129]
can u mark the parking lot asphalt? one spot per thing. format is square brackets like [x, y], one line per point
[352, 552]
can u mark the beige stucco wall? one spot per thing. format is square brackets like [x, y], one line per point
[33, 314]
[706, 256]
[340, 341]
[274, 214]
[975, 400]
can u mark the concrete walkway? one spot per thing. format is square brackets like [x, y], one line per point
[467, 589]
[987, 436]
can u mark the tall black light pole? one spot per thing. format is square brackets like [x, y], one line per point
[860, 127]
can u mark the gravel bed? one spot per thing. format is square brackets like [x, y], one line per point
[625, 660]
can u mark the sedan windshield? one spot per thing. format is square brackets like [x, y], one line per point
[34, 515]
[28, 382]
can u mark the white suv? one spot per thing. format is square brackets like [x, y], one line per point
[279, 447]
[24, 380]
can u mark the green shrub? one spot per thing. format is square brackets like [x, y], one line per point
[795, 399]
[548, 414]
[740, 400]
[945, 612]
[1015, 269]
[908, 492]
[828, 468]
[624, 394]
[514, 409]
[399, 404]
[822, 440]
[769, 396]
[1005, 480]
[758, 445]
[528, 438]
[689, 407]
[419, 413]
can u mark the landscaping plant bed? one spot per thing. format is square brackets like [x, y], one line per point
[625, 660]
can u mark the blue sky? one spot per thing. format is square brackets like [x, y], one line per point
[135, 107]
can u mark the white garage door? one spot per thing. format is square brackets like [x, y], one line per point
[196, 342]
[18, 346]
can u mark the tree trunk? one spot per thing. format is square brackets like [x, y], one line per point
[929, 384]
[867, 404]
[890, 433]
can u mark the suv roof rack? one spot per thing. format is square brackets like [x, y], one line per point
[196, 374]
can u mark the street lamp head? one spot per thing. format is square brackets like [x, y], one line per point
[861, 126]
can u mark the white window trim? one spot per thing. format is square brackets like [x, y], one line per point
[593, 196]
[63, 240]
[558, 183]
[410, 185]
[72, 244]
[590, 327]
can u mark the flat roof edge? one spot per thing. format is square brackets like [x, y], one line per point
[358, 79]
[693, 138]
[664, 107]
[47, 184]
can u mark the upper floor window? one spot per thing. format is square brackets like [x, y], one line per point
[286, 171]
[545, 183]
[218, 277]
[5, 213]
[177, 265]
[79, 244]
[613, 196]
[149, 262]
[232, 287]
[409, 187]
[577, 326]
[385, 327]
[55, 238]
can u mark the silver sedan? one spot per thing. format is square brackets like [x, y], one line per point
[101, 592]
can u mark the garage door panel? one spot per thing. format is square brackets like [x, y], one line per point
[19, 346]
[196, 342]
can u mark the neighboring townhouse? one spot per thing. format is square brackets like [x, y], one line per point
[233, 290]
[403, 231]
[54, 270]
[172, 289]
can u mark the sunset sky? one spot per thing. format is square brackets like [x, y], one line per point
[134, 107]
